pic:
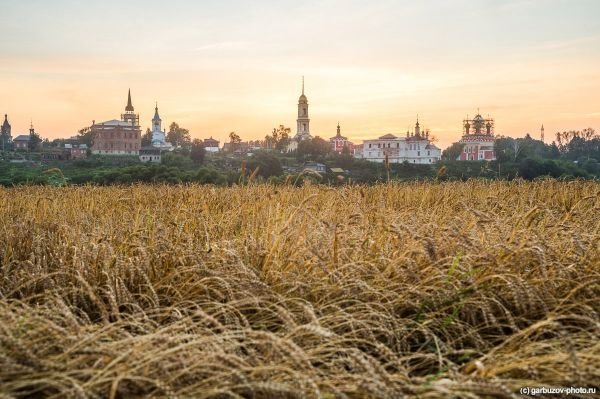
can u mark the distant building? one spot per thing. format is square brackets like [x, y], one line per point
[5, 134]
[245, 147]
[54, 154]
[151, 154]
[76, 151]
[415, 148]
[302, 123]
[118, 137]
[69, 151]
[339, 142]
[315, 167]
[211, 145]
[158, 135]
[478, 139]
[237, 148]
[358, 150]
[21, 142]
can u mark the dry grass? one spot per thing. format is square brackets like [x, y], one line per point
[431, 290]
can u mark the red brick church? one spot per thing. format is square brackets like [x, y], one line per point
[118, 136]
[478, 139]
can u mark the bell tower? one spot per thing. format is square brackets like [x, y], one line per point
[303, 121]
[129, 115]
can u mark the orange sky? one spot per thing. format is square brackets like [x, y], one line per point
[215, 68]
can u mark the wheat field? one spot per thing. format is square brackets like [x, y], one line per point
[398, 290]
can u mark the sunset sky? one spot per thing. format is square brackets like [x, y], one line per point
[221, 66]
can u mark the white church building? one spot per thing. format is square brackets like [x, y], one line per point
[158, 135]
[415, 148]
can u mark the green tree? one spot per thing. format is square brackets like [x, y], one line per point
[453, 152]
[147, 138]
[280, 138]
[178, 136]
[315, 149]
[4, 141]
[235, 141]
[197, 152]
[86, 136]
[268, 164]
[34, 141]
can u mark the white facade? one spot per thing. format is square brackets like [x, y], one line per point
[211, 145]
[415, 148]
[292, 146]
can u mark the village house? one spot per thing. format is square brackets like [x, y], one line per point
[151, 154]
[21, 142]
[211, 145]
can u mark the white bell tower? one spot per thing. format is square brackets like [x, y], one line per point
[303, 122]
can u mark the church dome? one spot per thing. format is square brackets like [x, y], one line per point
[478, 118]
[302, 98]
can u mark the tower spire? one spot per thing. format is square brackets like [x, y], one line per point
[156, 116]
[129, 106]
[302, 84]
